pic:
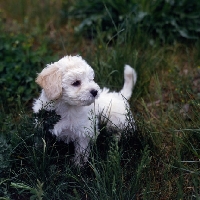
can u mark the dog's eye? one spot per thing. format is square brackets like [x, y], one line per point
[76, 83]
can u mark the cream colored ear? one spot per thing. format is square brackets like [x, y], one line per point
[50, 79]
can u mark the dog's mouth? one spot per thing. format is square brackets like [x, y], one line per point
[87, 102]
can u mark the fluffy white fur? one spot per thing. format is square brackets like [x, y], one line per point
[69, 84]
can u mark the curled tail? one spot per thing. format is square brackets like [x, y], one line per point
[130, 78]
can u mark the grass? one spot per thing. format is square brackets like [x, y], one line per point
[158, 161]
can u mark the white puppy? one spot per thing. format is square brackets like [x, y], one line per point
[69, 85]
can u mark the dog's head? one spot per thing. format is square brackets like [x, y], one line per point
[70, 79]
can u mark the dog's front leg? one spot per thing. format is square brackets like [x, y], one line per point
[82, 150]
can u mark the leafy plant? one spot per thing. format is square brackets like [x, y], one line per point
[171, 20]
[167, 20]
[19, 62]
[107, 15]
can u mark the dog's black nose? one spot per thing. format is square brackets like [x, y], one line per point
[94, 93]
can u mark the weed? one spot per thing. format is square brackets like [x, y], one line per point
[167, 20]
[18, 67]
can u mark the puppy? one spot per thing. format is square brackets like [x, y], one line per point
[68, 87]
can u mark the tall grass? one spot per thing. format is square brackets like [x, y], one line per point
[159, 160]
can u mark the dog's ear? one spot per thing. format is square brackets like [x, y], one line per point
[50, 79]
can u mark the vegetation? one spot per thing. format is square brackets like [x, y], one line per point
[160, 160]
[167, 20]
[17, 59]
